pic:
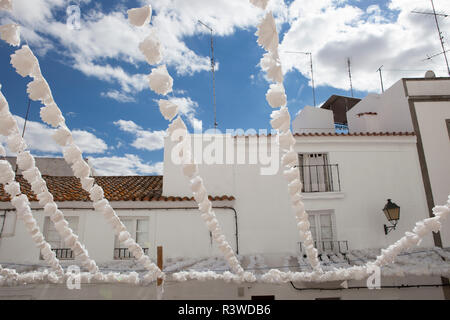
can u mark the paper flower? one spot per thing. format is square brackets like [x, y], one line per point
[291, 174]
[16, 143]
[262, 4]
[286, 140]
[295, 187]
[13, 188]
[25, 160]
[52, 115]
[8, 125]
[32, 174]
[81, 169]
[62, 136]
[270, 63]
[11, 34]
[6, 5]
[2, 151]
[168, 109]
[177, 124]
[96, 193]
[267, 34]
[151, 49]
[160, 81]
[38, 90]
[140, 16]
[87, 183]
[25, 62]
[276, 96]
[72, 154]
[281, 120]
[290, 159]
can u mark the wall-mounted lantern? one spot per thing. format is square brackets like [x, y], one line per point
[392, 212]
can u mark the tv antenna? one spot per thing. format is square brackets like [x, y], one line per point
[312, 71]
[381, 78]
[350, 75]
[441, 36]
[213, 70]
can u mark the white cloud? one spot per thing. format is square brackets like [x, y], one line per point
[334, 30]
[144, 139]
[118, 96]
[129, 165]
[187, 107]
[38, 137]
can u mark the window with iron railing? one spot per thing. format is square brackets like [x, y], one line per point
[52, 236]
[317, 175]
[323, 231]
[138, 229]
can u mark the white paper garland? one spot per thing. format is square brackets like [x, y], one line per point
[26, 64]
[161, 83]
[281, 121]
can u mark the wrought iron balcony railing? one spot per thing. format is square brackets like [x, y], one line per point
[320, 178]
[329, 246]
[124, 253]
[64, 253]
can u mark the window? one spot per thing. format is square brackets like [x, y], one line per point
[138, 228]
[317, 174]
[7, 224]
[53, 238]
[322, 230]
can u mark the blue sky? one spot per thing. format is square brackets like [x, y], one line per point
[97, 74]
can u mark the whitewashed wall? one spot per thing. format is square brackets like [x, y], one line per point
[431, 117]
[372, 169]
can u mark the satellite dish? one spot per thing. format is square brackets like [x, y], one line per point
[430, 74]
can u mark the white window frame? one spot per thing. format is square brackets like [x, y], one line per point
[74, 226]
[318, 227]
[4, 217]
[133, 232]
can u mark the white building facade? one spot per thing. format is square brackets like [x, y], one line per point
[347, 180]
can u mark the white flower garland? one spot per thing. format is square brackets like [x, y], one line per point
[22, 206]
[26, 64]
[281, 121]
[161, 83]
[32, 175]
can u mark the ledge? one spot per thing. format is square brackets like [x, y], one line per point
[322, 195]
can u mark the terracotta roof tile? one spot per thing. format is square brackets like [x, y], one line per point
[132, 188]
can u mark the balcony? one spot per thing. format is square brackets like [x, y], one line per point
[328, 246]
[124, 253]
[320, 178]
[64, 254]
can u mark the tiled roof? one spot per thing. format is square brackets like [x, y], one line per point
[132, 188]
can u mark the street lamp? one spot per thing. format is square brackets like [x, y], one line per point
[392, 213]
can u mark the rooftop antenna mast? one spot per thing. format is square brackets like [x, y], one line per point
[350, 76]
[441, 36]
[312, 72]
[213, 70]
[381, 78]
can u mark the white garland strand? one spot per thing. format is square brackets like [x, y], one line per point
[6, 5]
[32, 175]
[22, 206]
[11, 34]
[161, 83]
[281, 121]
[26, 64]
